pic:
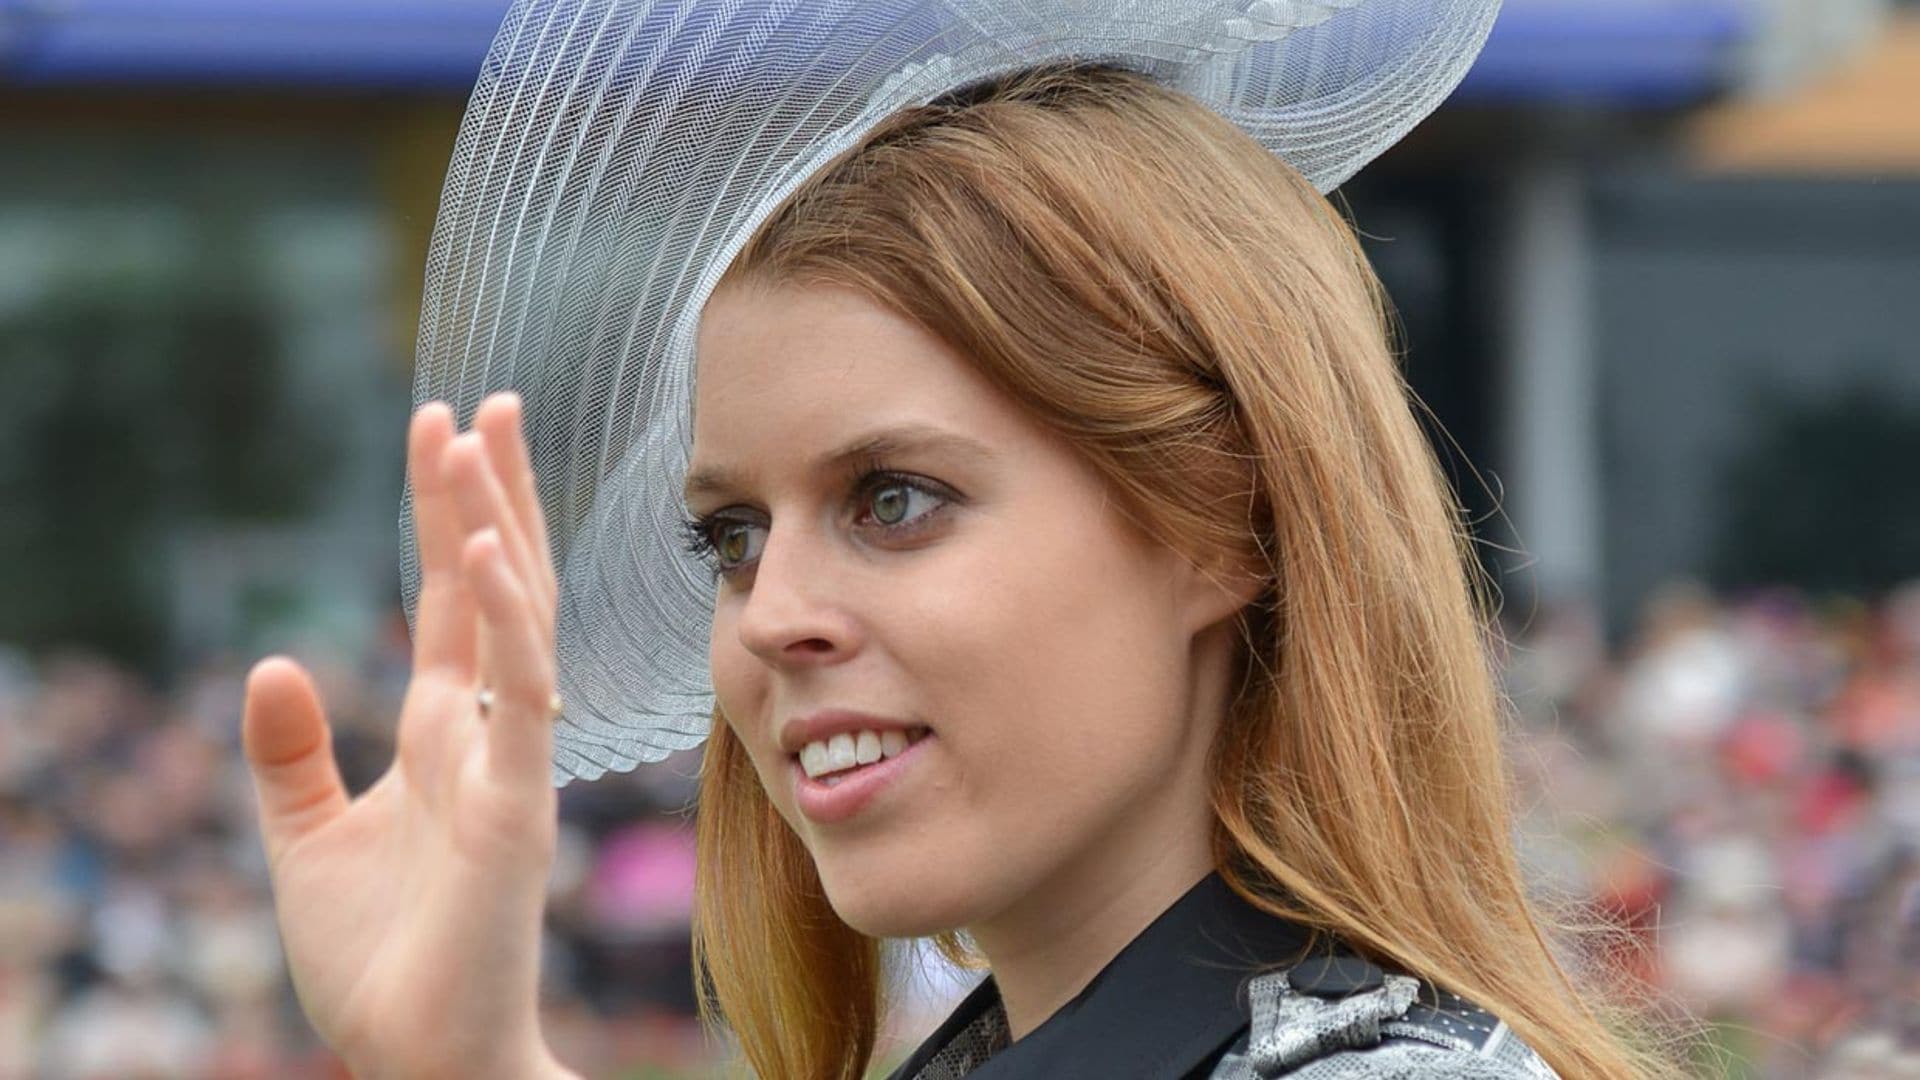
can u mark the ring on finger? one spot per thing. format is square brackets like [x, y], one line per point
[485, 699]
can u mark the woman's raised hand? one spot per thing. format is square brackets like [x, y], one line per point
[411, 915]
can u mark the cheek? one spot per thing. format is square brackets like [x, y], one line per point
[1064, 661]
[740, 688]
[727, 664]
[739, 683]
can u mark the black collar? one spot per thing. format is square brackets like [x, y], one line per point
[1170, 1003]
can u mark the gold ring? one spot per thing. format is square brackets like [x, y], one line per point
[485, 700]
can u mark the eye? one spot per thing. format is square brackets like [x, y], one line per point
[733, 542]
[895, 500]
[896, 504]
[724, 543]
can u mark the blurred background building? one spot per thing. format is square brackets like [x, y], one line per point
[1657, 266]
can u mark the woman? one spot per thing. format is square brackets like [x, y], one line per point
[1084, 595]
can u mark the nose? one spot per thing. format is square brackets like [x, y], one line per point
[793, 613]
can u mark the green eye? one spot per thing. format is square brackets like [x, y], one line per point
[733, 543]
[890, 504]
[895, 502]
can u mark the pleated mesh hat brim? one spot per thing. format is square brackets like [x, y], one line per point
[617, 154]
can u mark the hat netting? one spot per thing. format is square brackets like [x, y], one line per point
[615, 156]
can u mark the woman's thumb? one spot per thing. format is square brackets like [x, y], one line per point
[289, 749]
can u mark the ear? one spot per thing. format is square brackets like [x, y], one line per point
[1212, 590]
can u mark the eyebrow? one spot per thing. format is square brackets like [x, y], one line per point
[885, 442]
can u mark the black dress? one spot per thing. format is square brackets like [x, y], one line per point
[1217, 988]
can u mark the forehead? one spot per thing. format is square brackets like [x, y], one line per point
[783, 368]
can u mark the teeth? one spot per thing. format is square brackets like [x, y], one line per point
[849, 749]
[813, 759]
[840, 753]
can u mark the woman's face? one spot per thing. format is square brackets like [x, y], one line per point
[903, 550]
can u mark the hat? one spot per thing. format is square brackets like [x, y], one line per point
[617, 154]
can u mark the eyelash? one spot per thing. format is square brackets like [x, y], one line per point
[868, 476]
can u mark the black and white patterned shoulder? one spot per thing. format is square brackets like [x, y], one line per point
[1339, 1017]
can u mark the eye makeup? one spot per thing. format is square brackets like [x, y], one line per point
[722, 539]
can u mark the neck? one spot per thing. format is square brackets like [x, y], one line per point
[1048, 948]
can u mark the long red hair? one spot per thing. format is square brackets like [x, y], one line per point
[1204, 326]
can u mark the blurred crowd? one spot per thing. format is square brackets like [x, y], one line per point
[1739, 788]
[1738, 784]
[137, 936]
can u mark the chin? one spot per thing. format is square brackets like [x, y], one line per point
[895, 901]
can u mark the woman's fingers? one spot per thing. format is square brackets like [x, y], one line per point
[289, 750]
[490, 620]
[447, 622]
[519, 662]
[483, 503]
[501, 423]
[444, 631]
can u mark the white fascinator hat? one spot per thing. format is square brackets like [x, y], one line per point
[617, 154]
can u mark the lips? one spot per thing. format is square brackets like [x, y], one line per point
[839, 797]
[839, 759]
[822, 726]
[824, 759]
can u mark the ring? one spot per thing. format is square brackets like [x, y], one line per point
[485, 700]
